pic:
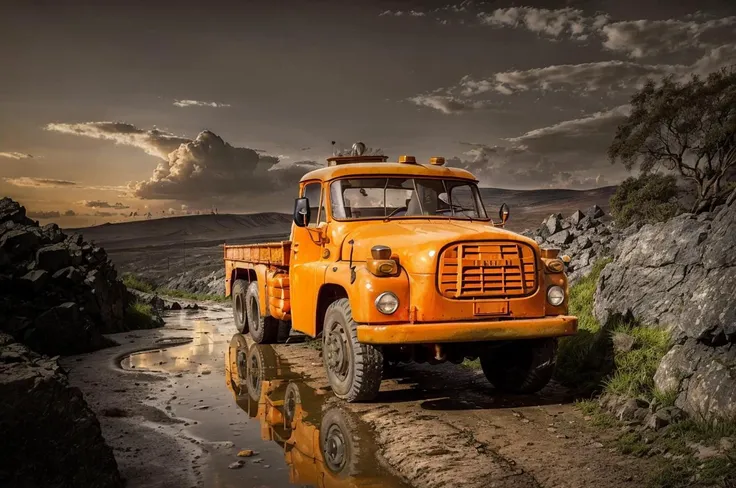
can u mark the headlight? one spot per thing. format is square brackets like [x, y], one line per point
[555, 295]
[387, 303]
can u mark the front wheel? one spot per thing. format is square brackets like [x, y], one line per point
[353, 369]
[524, 366]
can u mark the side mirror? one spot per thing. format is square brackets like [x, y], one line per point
[301, 212]
[503, 213]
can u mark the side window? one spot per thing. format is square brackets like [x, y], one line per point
[313, 191]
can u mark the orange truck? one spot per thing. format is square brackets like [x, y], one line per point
[393, 262]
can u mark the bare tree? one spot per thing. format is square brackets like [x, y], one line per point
[688, 128]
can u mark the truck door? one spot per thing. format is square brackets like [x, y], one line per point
[306, 272]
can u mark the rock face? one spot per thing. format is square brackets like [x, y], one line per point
[681, 275]
[704, 376]
[58, 294]
[210, 284]
[585, 236]
[50, 437]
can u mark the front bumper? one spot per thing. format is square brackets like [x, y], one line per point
[487, 330]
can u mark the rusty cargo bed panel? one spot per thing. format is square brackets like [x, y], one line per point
[271, 253]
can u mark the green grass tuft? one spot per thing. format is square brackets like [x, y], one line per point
[137, 283]
[584, 360]
[141, 316]
[634, 373]
[191, 296]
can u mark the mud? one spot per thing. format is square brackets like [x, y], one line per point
[177, 405]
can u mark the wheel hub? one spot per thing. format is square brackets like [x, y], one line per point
[253, 375]
[240, 308]
[253, 308]
[337, 351]
[335, 448]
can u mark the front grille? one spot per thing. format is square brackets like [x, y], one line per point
[487, 270]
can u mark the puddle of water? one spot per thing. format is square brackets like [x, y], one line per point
[323, 443]
[302, 436]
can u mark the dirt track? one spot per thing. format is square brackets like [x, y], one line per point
[172, 421]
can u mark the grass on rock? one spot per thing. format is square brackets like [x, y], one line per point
[137, 283]
[140, 315]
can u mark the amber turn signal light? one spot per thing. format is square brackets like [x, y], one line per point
[437, 161]
[383, 267]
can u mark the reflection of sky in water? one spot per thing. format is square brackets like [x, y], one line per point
[191, 357]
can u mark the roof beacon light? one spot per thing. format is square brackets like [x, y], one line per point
[437, 161]
[407, 159]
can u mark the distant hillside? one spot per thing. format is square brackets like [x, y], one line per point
[528, 208]
[189, 230]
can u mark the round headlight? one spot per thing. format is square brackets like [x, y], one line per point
[387, 303]
[555, 295]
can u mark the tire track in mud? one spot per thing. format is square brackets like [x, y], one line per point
[425, 450]
[431, 453]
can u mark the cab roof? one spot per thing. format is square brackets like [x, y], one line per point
[387, 169]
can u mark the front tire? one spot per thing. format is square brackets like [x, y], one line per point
[240, 313]
[263, 330]
[353, 369]
[524, 366]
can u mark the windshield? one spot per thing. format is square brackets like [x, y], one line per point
[372, 198]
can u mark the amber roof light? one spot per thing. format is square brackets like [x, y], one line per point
[407, 159]
[437, 161]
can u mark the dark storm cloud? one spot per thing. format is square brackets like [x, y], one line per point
[567, 22]
[198, 103]
[15, 155]
[103, 204]
[29, 182]
[155, 142]
[203, 168]
[208, 166]
[605, 76]
[44, 215]
[570, 154]
[643, 38]
[448, 104]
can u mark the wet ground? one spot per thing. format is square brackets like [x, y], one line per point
[180, 403]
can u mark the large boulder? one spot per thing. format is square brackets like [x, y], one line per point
[703, 376]
[50, 437]
[678, 274]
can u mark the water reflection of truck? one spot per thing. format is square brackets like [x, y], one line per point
[398, 261]
[324, 446]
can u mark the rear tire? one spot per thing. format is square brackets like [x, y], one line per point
[353, 369]
[239, 309]
[263, 330]
[524, 366]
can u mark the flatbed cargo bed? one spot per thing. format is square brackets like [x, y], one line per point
[269, 253]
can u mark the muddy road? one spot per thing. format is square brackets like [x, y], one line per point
[179, 404]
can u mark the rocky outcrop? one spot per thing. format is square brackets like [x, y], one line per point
[212, 283]
[58, 293]
[50, 437]
[584, 236]
[680, 275]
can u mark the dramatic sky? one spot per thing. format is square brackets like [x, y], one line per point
[108, 108]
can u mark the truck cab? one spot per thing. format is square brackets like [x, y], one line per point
[399, 261]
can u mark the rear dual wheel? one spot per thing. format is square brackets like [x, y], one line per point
[354, 369]
[247, 313]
